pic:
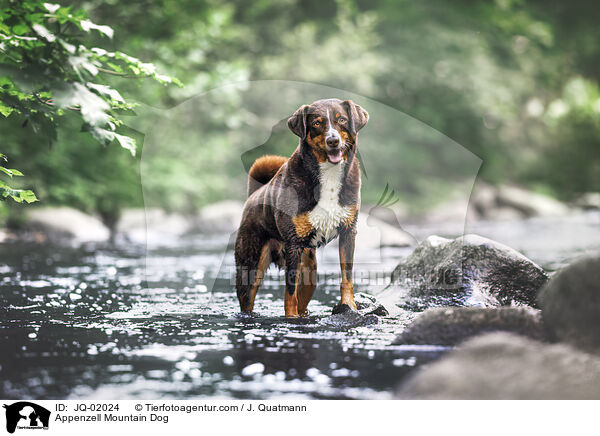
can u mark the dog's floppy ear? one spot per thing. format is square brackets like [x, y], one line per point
[358, 117]
[297, 122]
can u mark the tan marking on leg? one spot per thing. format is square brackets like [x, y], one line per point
[291, 301]
[350, 218]
[263, 263]
[302, 225]
[346, 289]
[307, 280]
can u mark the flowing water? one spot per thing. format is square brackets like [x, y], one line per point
[130, 321]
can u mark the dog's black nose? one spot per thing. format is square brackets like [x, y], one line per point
[333, 142]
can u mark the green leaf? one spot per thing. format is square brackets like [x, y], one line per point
[11, 172]
[43, 32]
[51, 7]
[20, 29]
[83, 62]
[18, 195]
[127, 143]
[5, 110]
[106, 90]
[106, 137]
[93, 108]
[28, 196]
[87, 25]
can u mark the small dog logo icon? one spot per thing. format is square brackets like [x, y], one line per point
[26, 415]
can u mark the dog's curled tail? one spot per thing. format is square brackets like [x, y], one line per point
[262, 170]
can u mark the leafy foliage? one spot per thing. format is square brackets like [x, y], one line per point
[46, 71]
[495, 76]
[18, 195]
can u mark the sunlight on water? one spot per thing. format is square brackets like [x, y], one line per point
[113, 323]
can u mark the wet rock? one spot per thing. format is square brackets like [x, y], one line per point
[221, 217]
[484, 204]
[453, 325]
[368, 305]
[530, 203]
[506, 366]
[349, 319]
[374, 233]
[145, 224]
[467, 271]
[155, 223]
[369, 309]
[65, 223]
[509, 203]
[589, 201]
[483, 198]
[570, 304]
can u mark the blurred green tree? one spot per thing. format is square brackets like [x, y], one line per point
[488, 74]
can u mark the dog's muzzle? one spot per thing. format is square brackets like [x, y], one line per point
[334, 150]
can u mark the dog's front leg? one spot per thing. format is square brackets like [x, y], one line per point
[292, 263]
[347, 237]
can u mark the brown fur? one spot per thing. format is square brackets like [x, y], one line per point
[349, 221]
[262, 170]
[302, 225]
[307, 279]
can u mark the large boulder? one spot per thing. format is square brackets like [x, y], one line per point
[484, 204]
[467, 271]
[589, 201]
[65, 223]
[530, 203]
[570, 304]
[503, 366]
[453, 325]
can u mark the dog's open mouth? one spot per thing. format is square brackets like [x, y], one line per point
[335, 155]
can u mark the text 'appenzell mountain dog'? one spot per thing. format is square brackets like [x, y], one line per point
[298, 204]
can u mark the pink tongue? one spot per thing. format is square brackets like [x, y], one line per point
[335, 157]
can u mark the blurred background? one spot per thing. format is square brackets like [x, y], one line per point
[485, 118]
[514, 82]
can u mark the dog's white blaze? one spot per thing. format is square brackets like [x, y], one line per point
[331, 132]
[327, 215]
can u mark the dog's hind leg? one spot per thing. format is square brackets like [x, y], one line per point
[252, 259]
[307, 279]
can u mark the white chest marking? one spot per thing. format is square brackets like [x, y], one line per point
[327, 215]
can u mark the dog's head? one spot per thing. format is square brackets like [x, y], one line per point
[329, 127]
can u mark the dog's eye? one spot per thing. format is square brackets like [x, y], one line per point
[342, 120]
[316, 123]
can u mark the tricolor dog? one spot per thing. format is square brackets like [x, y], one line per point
[298, 204]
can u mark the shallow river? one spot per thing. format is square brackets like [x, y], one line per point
[126, 321]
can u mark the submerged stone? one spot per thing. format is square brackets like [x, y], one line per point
[453, 325]
[503, 366]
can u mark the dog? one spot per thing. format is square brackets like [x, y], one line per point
[298, 204]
